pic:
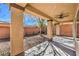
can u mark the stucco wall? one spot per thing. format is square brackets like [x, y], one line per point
[31, 30]
[4, 31]
[78, 30]
[66, 30]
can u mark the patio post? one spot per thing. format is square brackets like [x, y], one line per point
[49, 30]
[58, 29]
[53, 28]
[75, 33]
[16, 31]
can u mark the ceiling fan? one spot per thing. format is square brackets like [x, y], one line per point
[62, 15]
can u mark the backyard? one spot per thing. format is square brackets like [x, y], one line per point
[35, 41]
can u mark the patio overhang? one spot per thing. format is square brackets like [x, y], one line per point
[43, 10]
[46, 11]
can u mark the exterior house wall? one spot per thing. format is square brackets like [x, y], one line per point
[58, 29]
[66, 30]
[78, 30]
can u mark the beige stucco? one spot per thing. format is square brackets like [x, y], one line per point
[16, 31]
[53, 9]
[49, 29]
[58, 29]
[75, 32]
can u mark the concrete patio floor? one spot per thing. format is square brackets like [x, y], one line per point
[44, 47]
[54, 48]
[29, 42]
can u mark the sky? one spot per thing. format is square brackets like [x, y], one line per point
[4, 13]
[29, 20]
[5, 16]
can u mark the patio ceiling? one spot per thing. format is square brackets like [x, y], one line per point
[55, 9]
[22, 4]
[50, 10]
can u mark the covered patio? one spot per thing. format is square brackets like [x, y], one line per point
[56, 15]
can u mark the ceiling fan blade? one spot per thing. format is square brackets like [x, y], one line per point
[65, 15]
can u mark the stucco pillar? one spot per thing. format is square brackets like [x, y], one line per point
[16, 31]
[76, 40]
[53, 28]
[58, 29]
[74, 37]
[49, 29]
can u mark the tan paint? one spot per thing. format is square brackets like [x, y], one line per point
[37, 12]
[22, 4]
[75, 32]
[31, 30]
[53, 9]
[50, 10]
[66, 30]
[16, 31]
[68, 22]
[5, 24]
[58, 29]
[4, 32]
[53, 28]
[49, 29]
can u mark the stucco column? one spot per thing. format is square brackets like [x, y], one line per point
[49, 29]
[76, 40]
[16, 31]
[74, 37]
[58, 29]
[53, 29]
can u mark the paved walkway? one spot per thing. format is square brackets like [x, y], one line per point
[65, 49]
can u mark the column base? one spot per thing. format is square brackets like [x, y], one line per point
[21, 54]
[50, 39]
